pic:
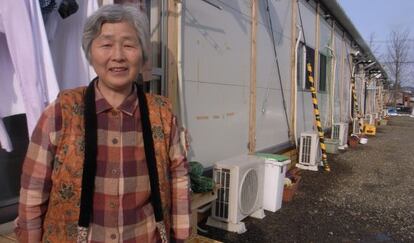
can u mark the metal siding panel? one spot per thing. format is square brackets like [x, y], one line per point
[216, 73]
[308, 20]
[217, 118]
[325, 36]
[216, 44]
[305, 117]
[216, 79]
[271, 125]
[323, 97]
[266, 68]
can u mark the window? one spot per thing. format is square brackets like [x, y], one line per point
[302, 73]
[310, 58]
[322, 72]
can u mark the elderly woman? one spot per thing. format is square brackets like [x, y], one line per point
[105, 162]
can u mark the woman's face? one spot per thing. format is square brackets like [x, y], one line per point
[116, 56]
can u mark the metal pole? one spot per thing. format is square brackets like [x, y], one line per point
[318, 119]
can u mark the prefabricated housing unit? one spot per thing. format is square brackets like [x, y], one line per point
[235, 71]
[217, 75]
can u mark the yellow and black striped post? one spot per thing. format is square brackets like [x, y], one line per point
[356, 107]
[318, 119]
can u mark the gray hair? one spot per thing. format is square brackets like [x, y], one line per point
[115, 13]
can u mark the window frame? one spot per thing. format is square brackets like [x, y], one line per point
[306, 54]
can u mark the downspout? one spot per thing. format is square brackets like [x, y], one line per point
[183, 137]
[333, 75]
[295, 86]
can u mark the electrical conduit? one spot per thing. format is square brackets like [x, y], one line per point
[295, 87]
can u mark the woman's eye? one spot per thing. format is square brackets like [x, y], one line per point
[106, 45]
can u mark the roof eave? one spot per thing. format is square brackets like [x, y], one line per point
[339, 15]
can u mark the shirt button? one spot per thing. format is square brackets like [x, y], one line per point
[114, 113]
[114, 141]
[114, 172]
[113, 236]
[112, 205]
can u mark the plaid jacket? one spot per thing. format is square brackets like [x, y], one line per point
[52, 177]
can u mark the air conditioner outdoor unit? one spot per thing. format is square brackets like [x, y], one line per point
[355, 125]
[340, 132]
[309, 151]
[240, 192]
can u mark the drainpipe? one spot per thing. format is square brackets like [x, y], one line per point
[295, 86]
[333, 78]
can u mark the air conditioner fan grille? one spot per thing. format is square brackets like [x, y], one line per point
[249, 192]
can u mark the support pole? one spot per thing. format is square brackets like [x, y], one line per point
[316, 57]
[172, 53]
[293, 72]
[356, 106]
[318, 119]
[252, 112]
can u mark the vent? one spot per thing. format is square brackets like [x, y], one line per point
[222, 201]
[249, 192]
[340, 133]
[306, 149]
[335, 131]
[309, 151]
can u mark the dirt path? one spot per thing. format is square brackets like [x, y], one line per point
[368, 197]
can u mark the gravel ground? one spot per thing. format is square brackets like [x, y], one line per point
[368, 197]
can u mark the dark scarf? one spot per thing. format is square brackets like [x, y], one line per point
[91, 148]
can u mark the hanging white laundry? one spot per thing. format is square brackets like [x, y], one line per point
[92, 7]
[65, 38]
[50, 87]
[11, 99]
[5, 142]
[20, 81]
[106, 2]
